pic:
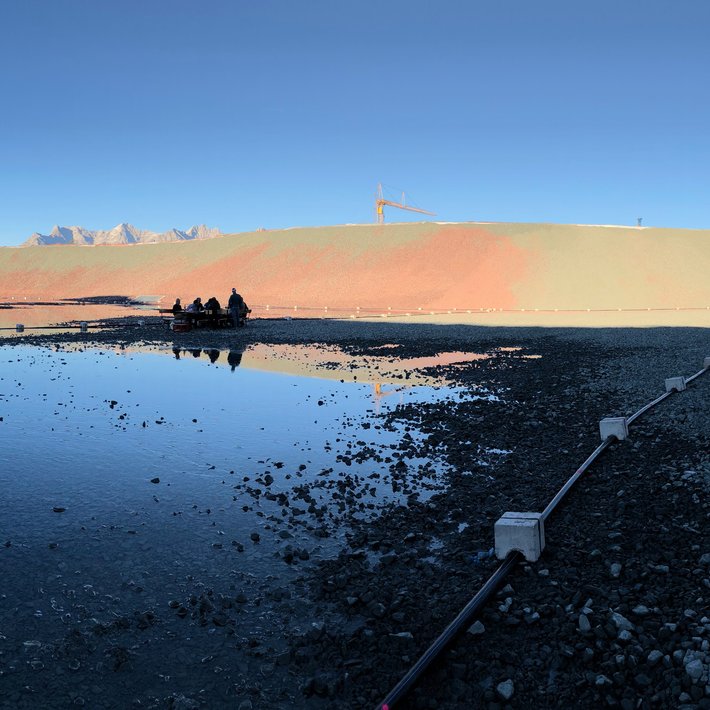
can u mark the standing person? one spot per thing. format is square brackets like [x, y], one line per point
[177, 307]
[235, 305]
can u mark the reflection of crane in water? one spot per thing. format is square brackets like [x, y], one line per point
[378, 393]
[380, 203]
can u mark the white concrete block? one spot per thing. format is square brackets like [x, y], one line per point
[524, 532]
[675, 383]
[614, 426]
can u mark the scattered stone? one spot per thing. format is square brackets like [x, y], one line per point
[621, 622]
[654, 657]
[505, 689]
[476, 628]
[378, 610]
[695, 669]
[403, 635]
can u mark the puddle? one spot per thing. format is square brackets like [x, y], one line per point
[158, 494]
[388, 375]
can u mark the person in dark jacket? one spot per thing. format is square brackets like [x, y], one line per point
[177, 307]
[212, 304]
[236, 307]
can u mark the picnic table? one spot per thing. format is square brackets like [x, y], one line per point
[218, 318]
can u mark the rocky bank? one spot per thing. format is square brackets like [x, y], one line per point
[616, 613]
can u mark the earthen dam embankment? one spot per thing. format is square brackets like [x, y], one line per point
[402, 266]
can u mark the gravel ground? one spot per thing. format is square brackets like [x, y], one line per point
[615, 613]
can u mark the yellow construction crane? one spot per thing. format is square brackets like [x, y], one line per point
[380, 203]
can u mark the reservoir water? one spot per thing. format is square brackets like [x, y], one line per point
[160, 507]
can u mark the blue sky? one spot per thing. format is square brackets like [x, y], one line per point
[283, 113]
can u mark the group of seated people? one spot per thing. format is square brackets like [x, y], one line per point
[236, 306]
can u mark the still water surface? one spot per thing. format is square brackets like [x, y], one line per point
[136, 485]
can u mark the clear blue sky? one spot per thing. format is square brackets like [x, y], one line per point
[281, 113]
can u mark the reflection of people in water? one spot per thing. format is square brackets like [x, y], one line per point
[176, 352]
[234, 359]
[196, 353]
[213, 355]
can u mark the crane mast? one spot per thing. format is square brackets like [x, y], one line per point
[380, 203]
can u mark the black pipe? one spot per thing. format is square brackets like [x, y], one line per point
[650, 405]
[464, 618]
[573, 479]
[696, 375]
[494, 581]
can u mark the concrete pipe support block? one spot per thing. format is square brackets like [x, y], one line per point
[706, 363]
[524, 532]
[675, 383]
[614, 426]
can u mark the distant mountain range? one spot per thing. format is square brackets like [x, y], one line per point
[120, 234]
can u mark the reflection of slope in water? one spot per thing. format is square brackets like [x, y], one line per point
[318, 360]
[325, 362]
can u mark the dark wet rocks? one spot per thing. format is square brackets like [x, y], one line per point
[600, 626]
[292, 554]
[408, 569]
[210, 608]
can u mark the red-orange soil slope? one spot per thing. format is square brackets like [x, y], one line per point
[402, 266]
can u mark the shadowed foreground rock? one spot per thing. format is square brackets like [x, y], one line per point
[614, 614]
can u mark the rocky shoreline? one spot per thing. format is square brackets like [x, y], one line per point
[617, 611]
